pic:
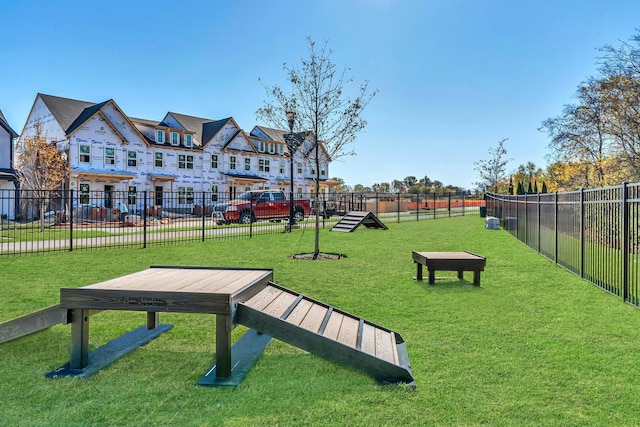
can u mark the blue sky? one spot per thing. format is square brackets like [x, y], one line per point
[454, 76]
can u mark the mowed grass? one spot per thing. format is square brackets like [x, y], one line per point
[534, 345]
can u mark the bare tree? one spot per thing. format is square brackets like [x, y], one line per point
[492, 171]
[41, 168]
[318, 96]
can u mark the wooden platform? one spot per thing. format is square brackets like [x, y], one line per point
[449, 261]
[354, 219]
[163, 289]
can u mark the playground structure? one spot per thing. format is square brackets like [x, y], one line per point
[235, 296]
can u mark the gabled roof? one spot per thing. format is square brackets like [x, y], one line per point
[86, 114]
[65, 110]
[205, 129]
[275, 134]
[4, 124]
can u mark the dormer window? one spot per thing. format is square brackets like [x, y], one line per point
[160, 136]
[188, 140]
[175, 138]
[272, 148]
[281, 149]
[261, 147]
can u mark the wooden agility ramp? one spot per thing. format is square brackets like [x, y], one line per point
[327, 332]
[354, 219]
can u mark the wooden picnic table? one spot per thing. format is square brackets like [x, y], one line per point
[165, 289]
[449, 261]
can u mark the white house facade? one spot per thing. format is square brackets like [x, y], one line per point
[112, 156]
[8, 178]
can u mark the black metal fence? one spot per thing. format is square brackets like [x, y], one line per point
[593, 233]
[46, 221]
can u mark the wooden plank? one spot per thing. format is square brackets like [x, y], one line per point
[348, 334]
[298, 313]
[368, 344]
[31, 323]
[333, 325]
[280, 304]
[385, 347]
[264, 297]
[314, 318]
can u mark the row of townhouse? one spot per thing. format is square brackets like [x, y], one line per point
[110, 155]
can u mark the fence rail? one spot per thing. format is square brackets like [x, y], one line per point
[48, 221]
[593, 233]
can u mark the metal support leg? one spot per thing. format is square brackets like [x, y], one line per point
[476, 278]
[153, 319]
[79, 339]
[223, 345]
[419, 271]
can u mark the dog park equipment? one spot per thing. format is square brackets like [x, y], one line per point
[354, 219]
[235, 296]
[449, 261]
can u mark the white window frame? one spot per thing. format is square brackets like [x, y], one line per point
[264, 165]
[185, 161]
[299, 167]
[132, 161]
[159, 136]
[272, 148]
[188, 140]
[84, 195]
[175, 138]
[281, 149]
[82, 156]
[158, 159]
[214, 161]
[185, 195]
[261, 147]
[282, 166]
[232, 163]
[214, 193]
[247, 164]
[110, 159]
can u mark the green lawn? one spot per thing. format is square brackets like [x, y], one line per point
[534, 345]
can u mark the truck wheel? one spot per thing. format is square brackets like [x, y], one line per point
[298, 216]
[246, 217]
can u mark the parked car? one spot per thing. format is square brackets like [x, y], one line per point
[259, 205]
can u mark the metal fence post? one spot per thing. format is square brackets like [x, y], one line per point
[555, 226]
[398, 196]
[145, 216]
[203, 216]
[582, 260]
[625, 239]
[539, 212]
[71, 205]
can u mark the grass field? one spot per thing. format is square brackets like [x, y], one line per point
[534, 345]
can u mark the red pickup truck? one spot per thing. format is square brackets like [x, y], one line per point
[259, 205]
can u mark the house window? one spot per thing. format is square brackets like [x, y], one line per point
[85, 154]
[281, 166]
[323, 169]
[158, 161]
[160, 136]
[299, 167]
[247, 165]
[281, 149]
[232, 162]
[132, 158]
[272, 148]
[185, 161]
[263, 165]
[312, 166]
[175, 138]
[185, 195]
[188, 140]
[109, 156]
[84, 194]
[261, 147]
[214, 193]
[214, 161]
[131, 196]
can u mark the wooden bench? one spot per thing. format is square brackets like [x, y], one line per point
[449, 261]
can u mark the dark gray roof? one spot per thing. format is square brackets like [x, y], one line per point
[275, 134]
[5, 125]
[204, 129]
[65, 110]
[84, 116]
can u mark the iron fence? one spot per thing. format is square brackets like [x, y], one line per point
[593, 233]
[52, 220]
